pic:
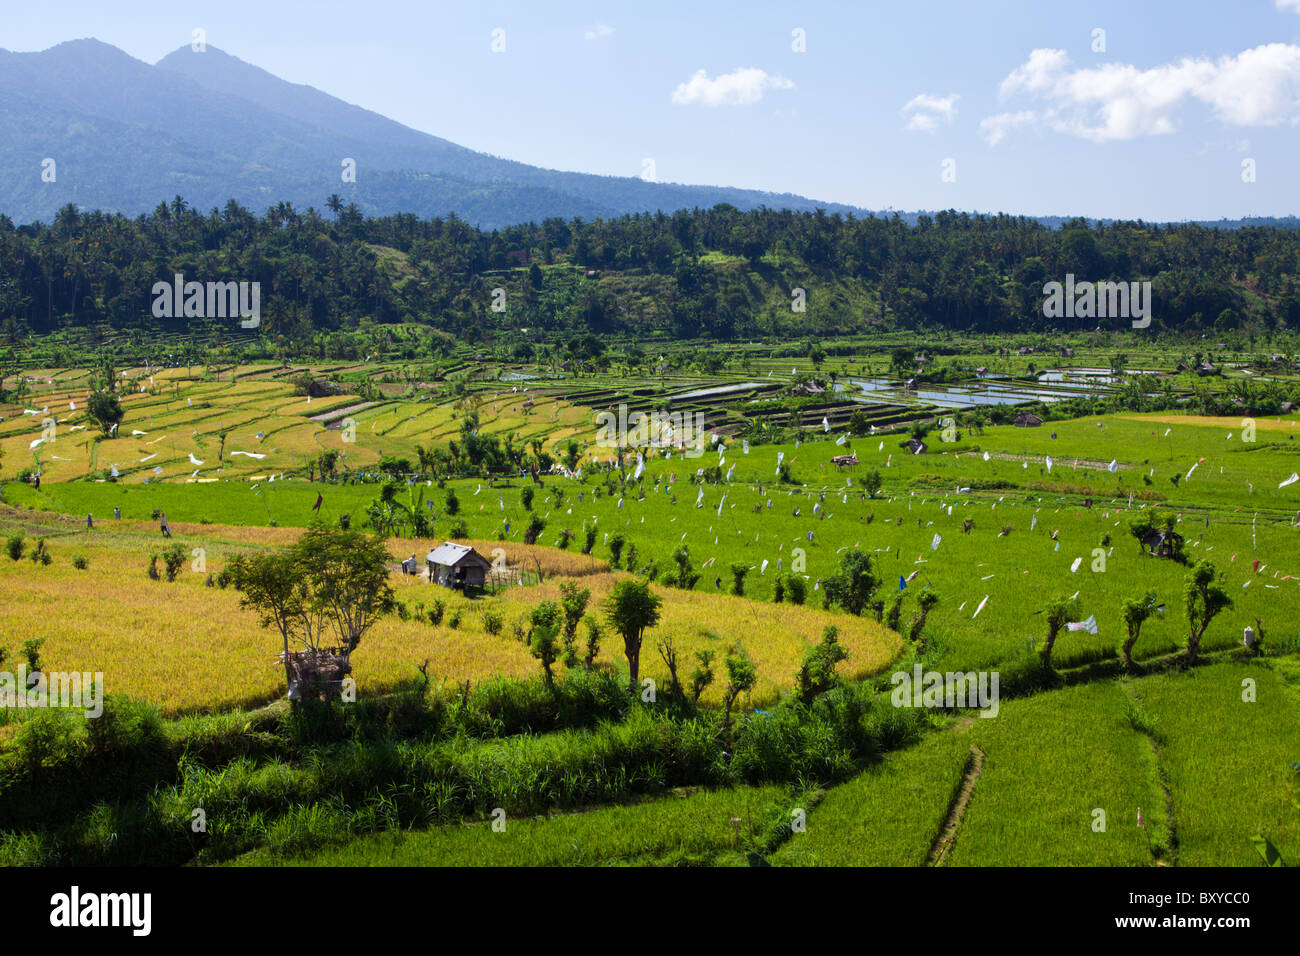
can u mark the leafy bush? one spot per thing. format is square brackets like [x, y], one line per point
[173, 558]
[738, 572]
[796, 588]
[436, 611]
[536, 524]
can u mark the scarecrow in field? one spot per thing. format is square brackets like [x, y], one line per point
[166, 531]
[90, 522]
[117, 514]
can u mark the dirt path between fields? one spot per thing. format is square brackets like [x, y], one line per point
[1061, 462]
[340, 412]
[943, 843]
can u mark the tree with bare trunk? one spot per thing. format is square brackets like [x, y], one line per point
[1136, 610]
[631, 608]
[1202, 599]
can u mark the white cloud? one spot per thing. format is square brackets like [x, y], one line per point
[1118, 101]
[994, 128]
[926, 113]
[602, 30]
[743, 86]
[1292, 5]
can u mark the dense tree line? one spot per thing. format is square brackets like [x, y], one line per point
[717, 273]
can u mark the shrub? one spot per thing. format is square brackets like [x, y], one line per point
[702, 675]
[796, 588]
[519, 629]
[742, 674]
[927, 600]
[526, 497]
[453, 503]
[616, 542]
[573, 603]
[173, 558]
[31, 650]
[40, 554]
[436, 611]
[14, 547]
[536, 524]
[544, 648]
[686, 576]
[854, 585]
[594, 635]
[80, 563]
[492, 621]
[738, 572]
[453, 622]
[895, 611]
[459, 530]
[817, 673]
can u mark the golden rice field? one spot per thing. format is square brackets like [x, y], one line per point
[1220, 421]
[187, 647]
[167, 422]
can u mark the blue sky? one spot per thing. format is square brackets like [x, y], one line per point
[1156, 126]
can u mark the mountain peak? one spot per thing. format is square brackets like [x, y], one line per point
[211, 127]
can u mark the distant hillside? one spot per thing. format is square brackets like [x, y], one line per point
[209, 127]
[721, 273]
